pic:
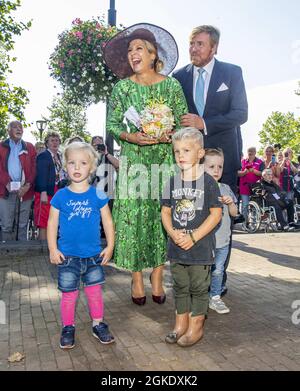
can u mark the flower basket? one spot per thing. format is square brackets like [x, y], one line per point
[77, 62]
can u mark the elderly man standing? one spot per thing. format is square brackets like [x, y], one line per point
[17, 174]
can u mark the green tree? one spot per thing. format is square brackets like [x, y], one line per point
[283, 129]
[12, 99]
[67, 119]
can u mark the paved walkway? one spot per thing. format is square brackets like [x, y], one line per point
[258, 333]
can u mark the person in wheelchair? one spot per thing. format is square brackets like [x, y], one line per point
[275, 197]
[296, 181]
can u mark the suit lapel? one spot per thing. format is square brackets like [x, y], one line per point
[215, 82]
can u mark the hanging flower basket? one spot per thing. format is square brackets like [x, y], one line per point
[77, 62]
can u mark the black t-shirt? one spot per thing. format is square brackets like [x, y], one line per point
[190, 203]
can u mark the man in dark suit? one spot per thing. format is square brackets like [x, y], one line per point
[217, 101]
[216, 97]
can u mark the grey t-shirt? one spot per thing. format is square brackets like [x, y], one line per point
[190, 203]
[224, 232]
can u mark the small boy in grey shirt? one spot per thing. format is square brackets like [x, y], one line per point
[214, 162]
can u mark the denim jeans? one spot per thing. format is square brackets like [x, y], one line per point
[73, 269]
[245, 202]
[218, 271]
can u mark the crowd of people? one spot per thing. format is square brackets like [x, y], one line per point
[279, 177]
[189, 224]
[31, 175]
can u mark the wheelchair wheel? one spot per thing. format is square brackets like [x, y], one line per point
[297, 213]
[32, 231]
[254, 218]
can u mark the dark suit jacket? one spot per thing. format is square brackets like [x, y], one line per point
[45, 173]
[224, 112]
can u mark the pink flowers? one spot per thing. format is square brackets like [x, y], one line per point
[79, 34]
[77, 21]
[77, 62]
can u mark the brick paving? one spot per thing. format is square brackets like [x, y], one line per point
[258, 333]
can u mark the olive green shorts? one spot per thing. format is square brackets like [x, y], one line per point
[191, 284]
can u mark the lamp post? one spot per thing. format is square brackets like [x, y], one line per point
[41, 125]
[112, 20]
[112, 14]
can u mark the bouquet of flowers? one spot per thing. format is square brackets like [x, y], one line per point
[156, 119]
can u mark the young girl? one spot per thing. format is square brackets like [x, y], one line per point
[77, 211]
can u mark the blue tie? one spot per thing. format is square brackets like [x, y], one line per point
[199, 96]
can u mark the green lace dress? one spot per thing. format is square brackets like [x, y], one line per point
[140, 236]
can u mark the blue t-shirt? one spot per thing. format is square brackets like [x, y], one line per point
[79, 221]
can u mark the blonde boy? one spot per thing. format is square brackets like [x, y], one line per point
[190, 212]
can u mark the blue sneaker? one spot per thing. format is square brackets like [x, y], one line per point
[67, 339]
[101, 332]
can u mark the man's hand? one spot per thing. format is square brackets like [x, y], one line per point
[193, 121]
[23, 190]
[56, 257]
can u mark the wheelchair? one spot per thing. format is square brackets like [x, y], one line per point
[260, 216]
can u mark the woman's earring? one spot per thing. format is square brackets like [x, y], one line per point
[152, 64]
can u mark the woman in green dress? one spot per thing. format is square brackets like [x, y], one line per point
[142, 56]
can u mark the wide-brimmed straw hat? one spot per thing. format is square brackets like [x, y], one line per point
[116, 49]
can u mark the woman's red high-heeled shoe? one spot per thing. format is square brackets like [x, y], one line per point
[138, 300]
[158, 299]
